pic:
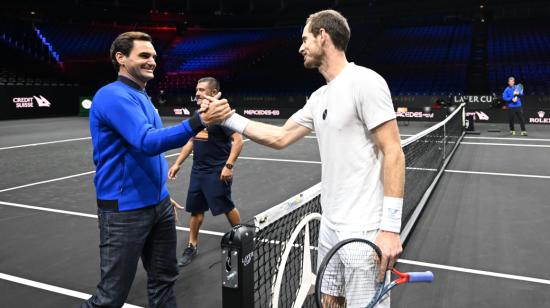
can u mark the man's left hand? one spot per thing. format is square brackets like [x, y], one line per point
[176, 206]
[226, 175]
[390, 245]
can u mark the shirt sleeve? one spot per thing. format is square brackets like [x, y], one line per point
[304, 116]
[124, 115]
[373, 101]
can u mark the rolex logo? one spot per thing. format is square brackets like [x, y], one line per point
[541, 114]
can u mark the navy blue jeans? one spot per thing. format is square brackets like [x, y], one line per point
[125, 237]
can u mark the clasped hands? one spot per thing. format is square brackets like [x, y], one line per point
[214, 110]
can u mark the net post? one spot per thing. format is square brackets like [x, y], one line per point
[237, 254]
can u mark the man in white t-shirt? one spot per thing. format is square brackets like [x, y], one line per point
[363, 165]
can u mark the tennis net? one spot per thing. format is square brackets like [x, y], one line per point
[285, 254]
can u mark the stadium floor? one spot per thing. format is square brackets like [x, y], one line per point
[483, 232]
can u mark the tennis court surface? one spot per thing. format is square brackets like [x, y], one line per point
[483, 232]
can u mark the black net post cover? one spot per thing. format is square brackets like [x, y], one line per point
[237, 267]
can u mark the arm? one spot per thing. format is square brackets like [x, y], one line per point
[126, 116]
[184, 153]
[269, 135]
[386, 137]
[236, 147]
[506, 95]
[276, 137]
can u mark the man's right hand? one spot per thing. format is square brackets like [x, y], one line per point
[214, 111]
[173, 171]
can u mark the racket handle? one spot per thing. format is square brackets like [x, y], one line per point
[421, 276]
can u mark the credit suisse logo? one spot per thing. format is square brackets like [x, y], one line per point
[478, 115]
[181, 111]
[28, 102]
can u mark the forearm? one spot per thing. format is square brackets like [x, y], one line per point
[184, 153]
[132, 124]
[236, 148]
[266, 134]
[269, 135]
[394, 186]
[394, 174]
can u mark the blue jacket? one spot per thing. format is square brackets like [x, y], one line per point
[508, 95]
[128, 144]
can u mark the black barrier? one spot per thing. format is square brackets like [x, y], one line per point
[236, 101]
[483, 108]
[249, 112]
[238, 267]
[17, 102]
[532, 116]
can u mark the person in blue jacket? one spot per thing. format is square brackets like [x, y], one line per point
[512, 97]
[136, 218]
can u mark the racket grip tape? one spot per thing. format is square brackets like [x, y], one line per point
[421, 276]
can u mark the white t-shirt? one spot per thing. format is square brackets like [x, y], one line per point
[343, 113]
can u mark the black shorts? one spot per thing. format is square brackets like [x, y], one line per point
[207, 191]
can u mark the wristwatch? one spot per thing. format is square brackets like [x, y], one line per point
[229, 166]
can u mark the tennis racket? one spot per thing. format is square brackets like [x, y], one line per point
[518, 89]
[348, 276]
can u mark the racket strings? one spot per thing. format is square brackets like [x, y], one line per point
[350, 278]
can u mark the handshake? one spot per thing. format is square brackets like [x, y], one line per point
[213, 110]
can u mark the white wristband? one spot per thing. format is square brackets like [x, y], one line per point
[236, 122]
[391, 214]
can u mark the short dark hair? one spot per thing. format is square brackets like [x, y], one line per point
[124, 44]
[212, 82]
[334, 24]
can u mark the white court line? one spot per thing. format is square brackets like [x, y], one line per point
[500, 174]
[507, 144]
[215, 233]
[266, 159]
[72, 213]
[507, 138]
[170, 155]
[202, 231]
[48, 181]
[49, 287]
[496, 138]
[473, 271]
[281, 160]
[289, 161]
[43, 143]
[45, 209]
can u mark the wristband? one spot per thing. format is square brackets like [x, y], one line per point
[236, 122]
[391, 214]
[196, 123]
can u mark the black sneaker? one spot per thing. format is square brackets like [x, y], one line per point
[188, 254]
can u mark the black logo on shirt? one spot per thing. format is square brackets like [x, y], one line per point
[324, 114]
